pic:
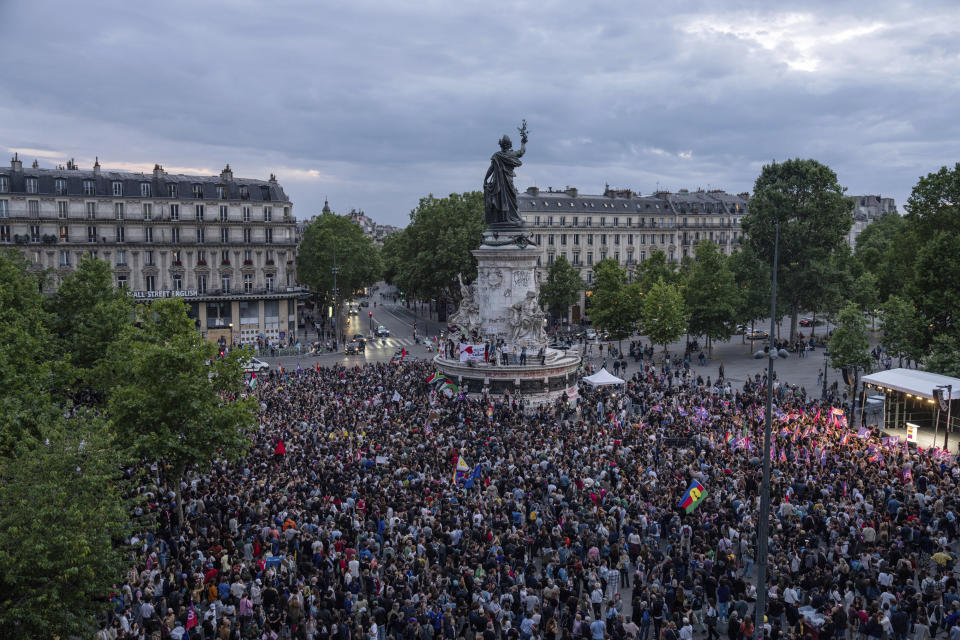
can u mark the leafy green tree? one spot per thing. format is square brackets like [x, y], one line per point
[174, 402]
[752, 278]
[654, 268]
[935, 295]
[31, 367]
[901, 328]
[436, 245]
[849, 346]
[865, 293]
[664, 315]
[562, 287]
[944, 356]
[63, 518]
[877, 253]
[814, 218]
[333, 240]
[711, 295]
[614, 304]
[88, 315]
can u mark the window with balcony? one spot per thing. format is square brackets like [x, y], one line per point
[34, 233]
[4, 209]
[201, 235]
[146, 191]
[148, 234]
[589, 258]
[201, 283]
[246, 214]
[268, 235]
[248, 283]
[201, 257]
[269, 281]
[147, 211]
[224, 235]
[174, 212]
[549, 259]
[64, 258]
[33, 208]
[91, 210]
[4, 233]
[91, 234]
[178, 283]
[33, 185]
[247, 256]
[62, 209]
[150, 283]
[122, 281]
[549, 221]
[118, 210]
[121, 234]
[248, 235]
[563, 239]
[121, 256]
[64, 233]
[224, 257]
[576, 259]
[268, 214]
[224, 215]
[286, 213]
[198, 211]
[225, 283]
[175, 235]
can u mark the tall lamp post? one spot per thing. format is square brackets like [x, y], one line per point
[949, 396]
[826, 367]
[763, 530]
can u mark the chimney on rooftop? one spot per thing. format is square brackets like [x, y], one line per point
[273, 178]
[15, 164]
[157, 171]
[96, 166]
[227, 173]
[35, 165]
[71, 164]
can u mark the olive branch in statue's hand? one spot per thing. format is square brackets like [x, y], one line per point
[523, 131]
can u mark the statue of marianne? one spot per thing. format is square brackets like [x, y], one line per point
[499, 192]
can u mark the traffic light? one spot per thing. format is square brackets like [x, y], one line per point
[370, 313]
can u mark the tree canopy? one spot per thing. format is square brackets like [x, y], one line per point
[711, 294]
[333, 240]
[814, 217]
[664, 317]
[429, 253]
[614, 304]
[561, 288]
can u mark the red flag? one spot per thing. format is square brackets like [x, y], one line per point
[191, 618]
[280, 449]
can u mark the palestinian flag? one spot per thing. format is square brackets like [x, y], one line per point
[253, 381]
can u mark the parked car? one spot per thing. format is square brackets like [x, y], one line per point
[810, 322]
[382, 332]
[741, 329]
[758, 335]
[255, 365]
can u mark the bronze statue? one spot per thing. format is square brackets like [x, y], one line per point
[499, 192]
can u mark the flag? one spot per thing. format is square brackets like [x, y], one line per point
[863, 433]
[477, 474]
[253, 381]
[191, 618]
[460, 471]
[449, 389]
[693, 496]
[434, 376]
[490, 412]
[727, 437]
[783, 454]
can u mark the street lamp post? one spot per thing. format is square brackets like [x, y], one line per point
[763, 530]
[826, 367]
[946, 431]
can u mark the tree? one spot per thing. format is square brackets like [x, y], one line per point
[614, 304]
[877, 253]
[752, 277]
[664, 316]
[63, 517]
[849, 346]
[88, 315]
[865, 293]
[436, 245]
[814, 218]
[333, 240]
[562, 287]
[31, 368]
[901, 328]
[654, 268]
[174, 402]
[935, 295]
[711, 295]
[944, 356]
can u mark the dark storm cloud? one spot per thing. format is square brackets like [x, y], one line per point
[377, 104]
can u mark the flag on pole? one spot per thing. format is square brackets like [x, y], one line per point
[433, 377]
[477, 474]
[693, 496]
[191, 618]
[449, 389]
[727, 437]
[461, 470]
[253, 381]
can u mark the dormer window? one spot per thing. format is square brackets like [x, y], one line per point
[89, 188]
[198, 191]
[60, 186]
[145, 190]
[265, 194]
[171, 190]
[244, 192]
[221, 192]
[33, 185]
[117, 188]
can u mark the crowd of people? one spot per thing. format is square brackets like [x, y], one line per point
[348, 518]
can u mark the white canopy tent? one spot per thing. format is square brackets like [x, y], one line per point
[602, 378]
[918, 383]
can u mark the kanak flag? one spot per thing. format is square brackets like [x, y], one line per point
[693, 497]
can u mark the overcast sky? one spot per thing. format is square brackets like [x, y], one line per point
[375, 104]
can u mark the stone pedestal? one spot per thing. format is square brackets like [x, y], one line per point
[506, 279]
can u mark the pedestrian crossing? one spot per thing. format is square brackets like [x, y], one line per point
[389, 343]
